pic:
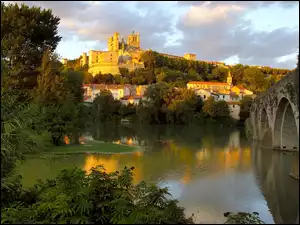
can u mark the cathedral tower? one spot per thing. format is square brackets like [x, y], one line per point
[84, 59]
[134, 40]
[110, 43]
[116, 41]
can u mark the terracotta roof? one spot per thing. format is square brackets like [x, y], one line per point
[104, 86]
[233, 103]
[131, 97]
[241, 87]
[211, 83]
[86, 97]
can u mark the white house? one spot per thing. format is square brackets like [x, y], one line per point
[118, 91]
[131, 99]
[204, 94]
[234, 109]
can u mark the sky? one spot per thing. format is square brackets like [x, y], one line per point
[262, 33]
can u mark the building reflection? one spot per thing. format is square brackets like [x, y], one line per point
[112, 164]
[281, 192]
[187, 176]
[180, 157]
[93, 161]
[132, 141]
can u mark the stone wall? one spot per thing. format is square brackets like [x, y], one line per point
[276, 112]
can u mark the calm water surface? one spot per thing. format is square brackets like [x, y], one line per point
[209, 170]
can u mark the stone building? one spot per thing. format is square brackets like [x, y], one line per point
[221, 91]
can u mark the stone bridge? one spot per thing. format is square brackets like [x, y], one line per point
[274, 115]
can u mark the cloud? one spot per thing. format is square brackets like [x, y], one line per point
[214, 30]
[217, 31]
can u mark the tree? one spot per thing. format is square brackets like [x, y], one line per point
[216, 109]
[26, 32]
[148, 57]
[18, 136]
[88, 78]
[246, 103]
[97, 198]
[208, 106]
[105, 108]
[219, 73]
[237, 73]
[255, 80]
[50, 87]
[221, 109]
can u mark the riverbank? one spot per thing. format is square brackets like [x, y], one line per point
[93, 147]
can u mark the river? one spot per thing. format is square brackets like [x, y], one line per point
[210, 170]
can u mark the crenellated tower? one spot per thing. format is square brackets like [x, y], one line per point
[110, 43]
[134, 40]
[116, 41]
[84, 59]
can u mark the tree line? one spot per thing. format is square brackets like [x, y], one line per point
[162, 104]
[179, 71]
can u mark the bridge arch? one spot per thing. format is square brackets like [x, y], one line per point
[265, 129]
[254, 126]
[285, 133]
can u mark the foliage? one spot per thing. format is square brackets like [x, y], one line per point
[18, 136]
[100, 197]
[167, 104]
[246, 103]
[243, 218]
[219, 74]
[26, 32]
[216, 109]
[73, 83]
[50, 89]
[105, 108]
[255, 80]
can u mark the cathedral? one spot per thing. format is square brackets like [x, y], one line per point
[120, 54]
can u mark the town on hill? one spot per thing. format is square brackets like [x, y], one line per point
[126, 71]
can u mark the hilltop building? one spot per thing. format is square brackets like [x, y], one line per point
[121, 54]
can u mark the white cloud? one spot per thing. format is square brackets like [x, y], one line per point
[214, 30]
[200, 15]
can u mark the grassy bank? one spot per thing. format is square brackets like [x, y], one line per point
[93, 147]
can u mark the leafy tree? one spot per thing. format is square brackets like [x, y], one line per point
[255, 80]
[219, 74]
[73, 82]
[50, 87]
[246, 103]
[18, 136]
[97, 198]
[208, 106]
[105, 108]
[216, 109]
[26, 32]
[221, 109]
[237, 73]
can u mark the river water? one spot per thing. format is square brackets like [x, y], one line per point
[210, 170]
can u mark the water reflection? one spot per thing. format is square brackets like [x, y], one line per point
[272, 170]
[209, 170]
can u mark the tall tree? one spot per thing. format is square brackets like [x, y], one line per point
[26, 32]
[50, 87]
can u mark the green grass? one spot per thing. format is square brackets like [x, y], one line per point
[93, 147]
